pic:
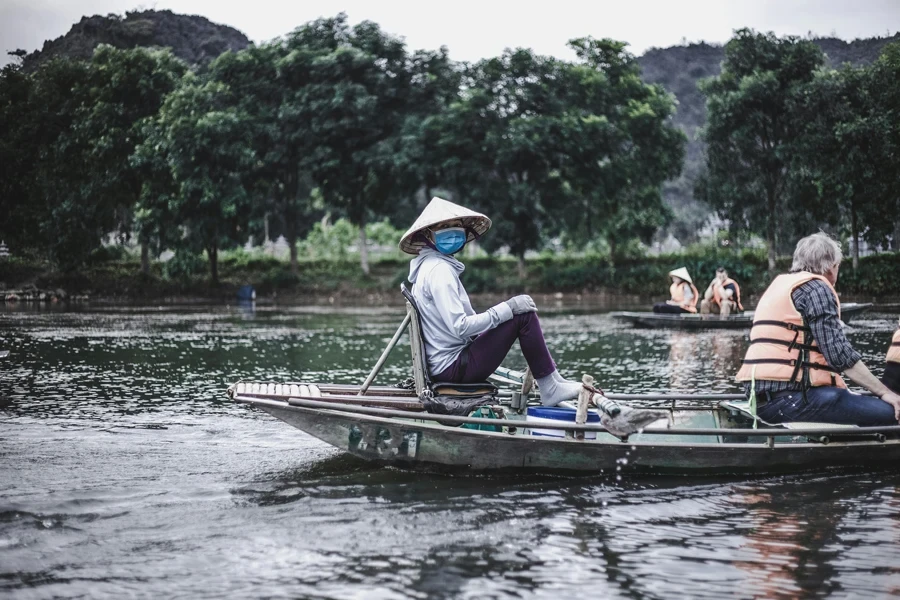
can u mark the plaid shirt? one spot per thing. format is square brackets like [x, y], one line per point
[816, 303]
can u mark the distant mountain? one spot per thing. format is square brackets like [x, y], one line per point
[680, 68]
[194, 39]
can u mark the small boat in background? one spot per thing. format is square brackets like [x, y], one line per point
[744, 320]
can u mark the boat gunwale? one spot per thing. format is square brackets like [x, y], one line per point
[387, 416]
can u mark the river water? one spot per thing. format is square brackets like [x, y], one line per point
[124, 472]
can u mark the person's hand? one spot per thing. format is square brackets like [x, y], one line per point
[894, 400]
[522, 304]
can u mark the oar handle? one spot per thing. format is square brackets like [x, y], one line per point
[608, 406]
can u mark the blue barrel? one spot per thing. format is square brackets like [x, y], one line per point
[246, 293]
[556, 414]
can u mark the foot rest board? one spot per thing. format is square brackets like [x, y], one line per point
[443, 388]
[744, 408]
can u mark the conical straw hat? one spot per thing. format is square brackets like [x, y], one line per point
[682, 273]
[438, 211]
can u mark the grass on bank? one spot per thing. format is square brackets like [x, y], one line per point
[120, 277]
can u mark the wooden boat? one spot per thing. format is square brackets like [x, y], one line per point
[712, 433]
[849, 311]
[690, 440]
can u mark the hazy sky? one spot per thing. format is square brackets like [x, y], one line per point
[476, 29]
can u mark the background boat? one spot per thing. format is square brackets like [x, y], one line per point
[849, 311]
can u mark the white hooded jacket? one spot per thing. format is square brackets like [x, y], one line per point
[449, 323]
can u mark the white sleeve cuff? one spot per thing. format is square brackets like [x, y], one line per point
[503, 311]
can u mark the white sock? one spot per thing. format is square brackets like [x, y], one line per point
[555, 388]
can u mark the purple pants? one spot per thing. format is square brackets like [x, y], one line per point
[489, 349]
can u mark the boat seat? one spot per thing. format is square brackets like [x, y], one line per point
[743, 407]
[421, 376]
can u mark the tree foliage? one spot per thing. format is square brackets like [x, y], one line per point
[750, 128]
[346, 121]
[207, 146]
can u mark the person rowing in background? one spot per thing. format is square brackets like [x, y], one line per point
[683, 294]
[798, 349]
[463, 346]
[891, 376]
[722, 296]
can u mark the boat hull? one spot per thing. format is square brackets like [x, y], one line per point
[413, 444]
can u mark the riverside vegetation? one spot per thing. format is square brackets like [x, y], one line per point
[571, 157]
[325, 269]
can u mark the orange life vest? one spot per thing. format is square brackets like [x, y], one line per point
[781, 345]
[676, 290]
[737, 293]
[893, 353]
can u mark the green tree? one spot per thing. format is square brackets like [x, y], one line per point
[71, 128]
[884, 85]
[544, 142]
[354, 101]
[207, 145]
[495, 146]
[625, 146]
[750, 128]
[268, 82]
[19, 217]
[843, 155]
[59, 183]
[125, 88]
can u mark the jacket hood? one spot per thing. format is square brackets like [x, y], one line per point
[427, 255]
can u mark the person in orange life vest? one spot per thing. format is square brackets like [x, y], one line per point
[891, 377]
[683, 294]
[723, 296]
[798, 349]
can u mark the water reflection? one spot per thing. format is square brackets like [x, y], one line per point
[123, 472]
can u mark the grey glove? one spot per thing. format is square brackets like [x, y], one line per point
[522, 304]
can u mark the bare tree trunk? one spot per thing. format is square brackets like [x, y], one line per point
[145, 257]
[770, 230]
[363, 248]
[520, 266]
[290, 231]
[266, 227]
[612, 250]
[854, 236]
[295, 268]
[213, 252]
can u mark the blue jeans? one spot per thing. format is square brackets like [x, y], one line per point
[826, 404]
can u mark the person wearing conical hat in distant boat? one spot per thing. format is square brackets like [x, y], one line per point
[722, 296]
[461, 345]
[891, 376]
[683, 294]
[798, 349]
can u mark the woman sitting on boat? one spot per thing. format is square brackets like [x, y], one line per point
[463, 346]
[683, 294]
[798, 349]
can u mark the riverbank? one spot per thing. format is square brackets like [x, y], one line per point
[569, 280]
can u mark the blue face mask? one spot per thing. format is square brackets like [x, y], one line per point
[450, 240]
